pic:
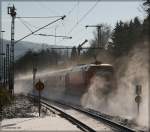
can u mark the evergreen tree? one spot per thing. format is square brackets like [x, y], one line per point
[125, 35]
[147, 6]
[41, 59]
[146, 23]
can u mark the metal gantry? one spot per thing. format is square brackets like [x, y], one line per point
[99, 36]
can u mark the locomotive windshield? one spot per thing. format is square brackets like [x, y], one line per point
[105, 71]
[103, 68]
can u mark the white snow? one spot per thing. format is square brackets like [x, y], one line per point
[50, 123]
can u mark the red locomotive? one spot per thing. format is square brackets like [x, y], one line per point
[75, 81]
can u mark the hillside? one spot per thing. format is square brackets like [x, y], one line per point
[22, 47]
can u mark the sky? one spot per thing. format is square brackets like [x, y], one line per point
[78, 15]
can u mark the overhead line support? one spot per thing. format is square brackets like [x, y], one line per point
[62, 18]
[99, 37]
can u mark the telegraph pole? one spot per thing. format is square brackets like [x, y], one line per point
[12, 12]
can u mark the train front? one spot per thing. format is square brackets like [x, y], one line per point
[93, 80]
[101, 79]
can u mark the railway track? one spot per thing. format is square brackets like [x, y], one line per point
[115, 126]
[73, 120]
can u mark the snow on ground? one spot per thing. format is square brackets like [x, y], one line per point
[50, 123]
[22, 115]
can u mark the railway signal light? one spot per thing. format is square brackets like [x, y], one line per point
[39, 86]
[138, 89]
[138, 98]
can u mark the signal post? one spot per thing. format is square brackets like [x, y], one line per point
[12, 12]
[39, 86]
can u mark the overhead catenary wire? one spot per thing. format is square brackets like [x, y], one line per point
[29, 24]
[25, 25]
[42, 5]
[68, 14]
[77, 39]
[53, 35]
[81, 19]
[40, 17]
[72, 9]
[40, 28]
[77, 4]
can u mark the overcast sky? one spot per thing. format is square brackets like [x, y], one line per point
[78, 15]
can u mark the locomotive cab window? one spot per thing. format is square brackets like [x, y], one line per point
[105, 71]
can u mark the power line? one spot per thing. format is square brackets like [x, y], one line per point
[42, 5]
[72, 9]
[54, 36]
[29, 24]
[25, 25]
[69, 12]
[75, 41]
[40, 17]
[71, 48]
[83, 16]
[40, 29]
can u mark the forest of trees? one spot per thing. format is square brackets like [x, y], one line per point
[40, 59]
[125, 35]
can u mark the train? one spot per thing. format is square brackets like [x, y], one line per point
[72, 83]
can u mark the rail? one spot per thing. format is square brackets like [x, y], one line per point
[118, 127]
[114, 125]
[76, 122]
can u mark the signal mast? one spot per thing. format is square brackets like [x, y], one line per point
[12, 12]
